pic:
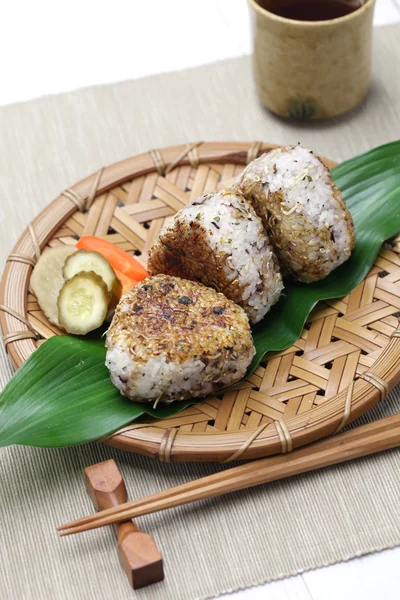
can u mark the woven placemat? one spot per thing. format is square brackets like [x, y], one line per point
[227, 543]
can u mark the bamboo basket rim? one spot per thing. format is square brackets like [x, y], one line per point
[167, 442]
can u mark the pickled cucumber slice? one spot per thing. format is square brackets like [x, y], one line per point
[83, 303]
[84, 260]
[47, 279]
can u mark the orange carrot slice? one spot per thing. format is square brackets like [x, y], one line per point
[126, 282]
[119, 259]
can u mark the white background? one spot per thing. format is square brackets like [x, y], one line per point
[47, 47]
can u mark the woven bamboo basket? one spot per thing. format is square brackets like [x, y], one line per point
[345, 361]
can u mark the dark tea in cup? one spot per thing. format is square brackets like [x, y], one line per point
[312, 10]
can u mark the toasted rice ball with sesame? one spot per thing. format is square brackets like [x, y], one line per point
[172, 339]
[219, 241]
[302, 209]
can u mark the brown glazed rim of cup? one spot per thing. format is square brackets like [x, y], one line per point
[325, 23]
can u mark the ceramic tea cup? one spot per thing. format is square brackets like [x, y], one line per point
[311, 69]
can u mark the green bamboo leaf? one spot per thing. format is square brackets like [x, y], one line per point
[370, 186]
[62, 396]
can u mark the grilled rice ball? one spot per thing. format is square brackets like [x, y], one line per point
[302, 209]
[172, 339]
[219, 241]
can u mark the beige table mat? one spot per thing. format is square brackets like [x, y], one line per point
[227, 543]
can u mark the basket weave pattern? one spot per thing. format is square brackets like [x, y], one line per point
[343, 363]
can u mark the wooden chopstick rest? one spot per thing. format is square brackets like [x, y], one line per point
[137, 551]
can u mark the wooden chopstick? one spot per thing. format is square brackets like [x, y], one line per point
[367, 439]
